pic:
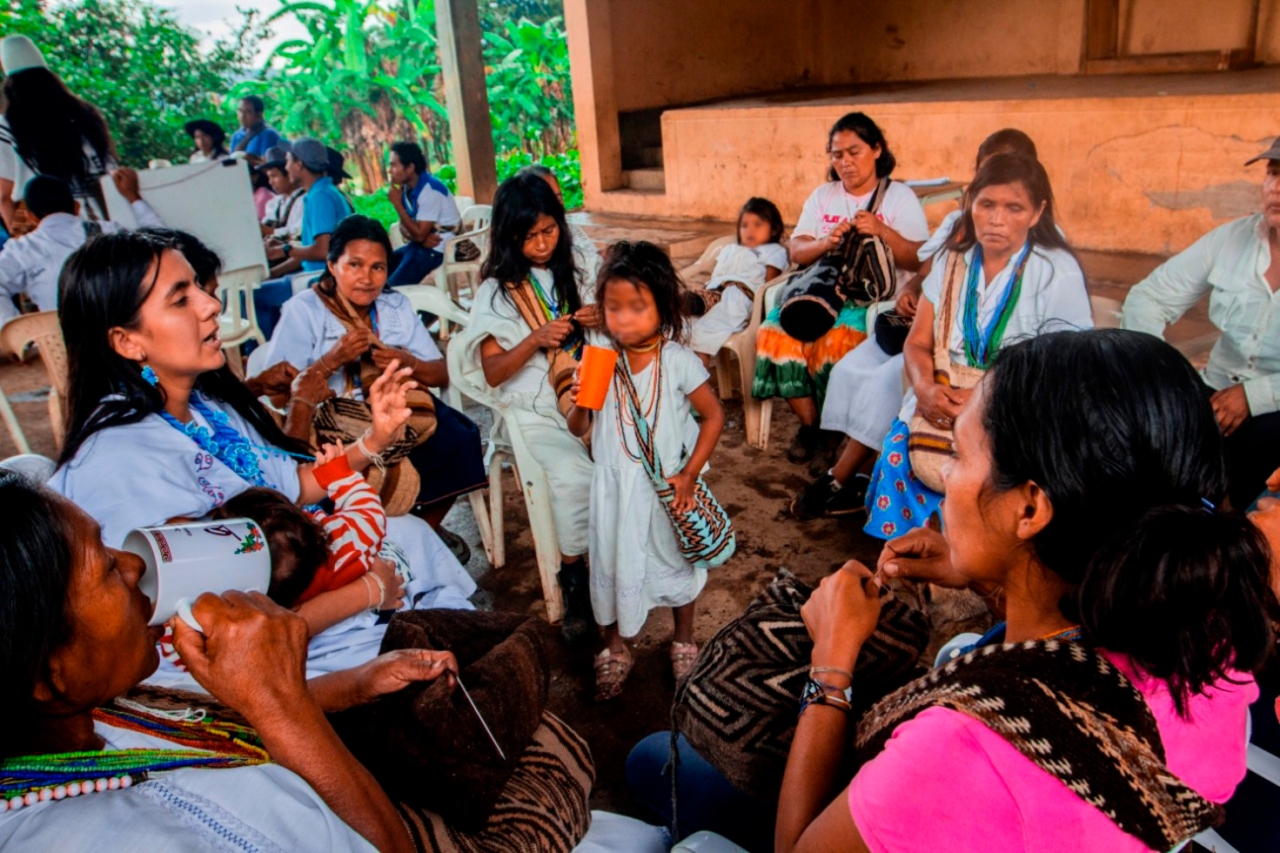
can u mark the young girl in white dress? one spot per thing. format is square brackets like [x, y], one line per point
[636, 563]
[741, 269]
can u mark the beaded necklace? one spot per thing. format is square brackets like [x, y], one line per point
[30, 779]
[625, 421]
[981, 345]
[572, 344]
[226, 444]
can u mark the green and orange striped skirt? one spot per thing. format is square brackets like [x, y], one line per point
[788, 368]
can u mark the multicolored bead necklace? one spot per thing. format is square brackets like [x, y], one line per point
[30, 779]
[980, 345]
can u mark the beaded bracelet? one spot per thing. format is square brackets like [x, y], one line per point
[819, 693]
[382, 588]
[376, 458]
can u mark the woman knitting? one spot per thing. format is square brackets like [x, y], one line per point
[1110, 705]
[528, 326]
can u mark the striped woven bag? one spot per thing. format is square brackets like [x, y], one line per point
[704, 533]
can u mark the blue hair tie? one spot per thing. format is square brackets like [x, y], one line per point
[1208, 505]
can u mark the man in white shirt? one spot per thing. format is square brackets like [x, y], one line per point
[428, 215]
[283, 217]
[31, 264]
[1238, 265]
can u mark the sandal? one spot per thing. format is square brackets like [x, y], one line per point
[683, 657]
[612, 669]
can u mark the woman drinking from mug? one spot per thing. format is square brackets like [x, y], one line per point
[349, 327]
[848, 203]
[1110, 706]
[159, 427]
[1006, 273]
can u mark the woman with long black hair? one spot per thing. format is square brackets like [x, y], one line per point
[525, 340]
[47, 130]
[159, 427]
[1110, 704]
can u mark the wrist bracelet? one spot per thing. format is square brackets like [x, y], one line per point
[324, 365]
[382, 588]
[304, 401]
[372, 603]
[815, 671]
[375, 458]
[817, 693]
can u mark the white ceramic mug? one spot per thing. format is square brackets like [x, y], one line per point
[184, 561]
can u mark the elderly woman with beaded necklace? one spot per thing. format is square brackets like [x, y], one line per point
[159, 427]
[74, 636]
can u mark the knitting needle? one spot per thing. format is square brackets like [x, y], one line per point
[493, 740]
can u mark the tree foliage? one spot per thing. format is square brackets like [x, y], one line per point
[134, 61]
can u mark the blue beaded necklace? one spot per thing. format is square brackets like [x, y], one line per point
[980, 345]
[226, 444]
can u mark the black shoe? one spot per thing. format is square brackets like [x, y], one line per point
[825, 497]
[456, 544]
[579, 622]
[804, 445]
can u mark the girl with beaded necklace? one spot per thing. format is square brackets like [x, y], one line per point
[636, 563]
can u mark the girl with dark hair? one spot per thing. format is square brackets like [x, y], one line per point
[865, 391]
[529, 322]
[585, 253]
[1006, 274]
[346, 329]
[860, 198]
[636, 562]
[209, 139]
[1111, 703]
[741, 269]
[159, 427]
[47, 130]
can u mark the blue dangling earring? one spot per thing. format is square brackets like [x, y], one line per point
[149, 376]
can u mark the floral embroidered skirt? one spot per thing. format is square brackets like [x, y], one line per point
[788, 368]
[896, 501]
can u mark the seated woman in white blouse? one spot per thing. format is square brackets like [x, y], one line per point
[160, 428]
[377, 324]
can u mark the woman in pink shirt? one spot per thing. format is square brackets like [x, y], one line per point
[1113, 715]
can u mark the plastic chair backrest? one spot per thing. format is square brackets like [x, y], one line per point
[44, 331]
[475, 217]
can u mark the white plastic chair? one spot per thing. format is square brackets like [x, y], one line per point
[12, 425]
[475, 217]
[454, 275]
[463, 202]
[33, 466]
[238, 322]
[506, 443]
[757, 414]
[703, 266]
[44, 331]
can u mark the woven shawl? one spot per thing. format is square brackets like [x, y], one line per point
[1069, 710]
[562, 362]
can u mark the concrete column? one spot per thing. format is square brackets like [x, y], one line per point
[595, 111]
[462, 64]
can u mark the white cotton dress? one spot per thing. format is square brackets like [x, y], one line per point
[636, 563]
[732, 313]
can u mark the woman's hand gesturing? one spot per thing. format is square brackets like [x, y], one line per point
[388, 404]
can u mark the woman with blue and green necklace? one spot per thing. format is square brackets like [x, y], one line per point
[1006, 274]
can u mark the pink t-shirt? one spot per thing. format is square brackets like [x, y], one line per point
[946, 782]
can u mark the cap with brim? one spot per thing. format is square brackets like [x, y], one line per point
[19, 53]
[310, 153]
[208, 128]
[336, 165]
[276, 157]
[1272, 153]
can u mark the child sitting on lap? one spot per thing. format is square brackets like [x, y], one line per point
[741, 269]
[327, 566]
[636, 561]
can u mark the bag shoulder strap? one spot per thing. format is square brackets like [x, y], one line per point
[877, 199]
[644, 435]
[954, 275]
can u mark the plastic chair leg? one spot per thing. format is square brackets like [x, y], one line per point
[724, 378]
[497, 533]
[483, 522]
[11, 423]
[766, 419]
[537, 501]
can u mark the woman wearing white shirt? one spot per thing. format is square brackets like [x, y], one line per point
[46, 130]
[1006, 274]
[796, 371]
[381, 325]
[865, 390]
[528, 318]
[159, 427]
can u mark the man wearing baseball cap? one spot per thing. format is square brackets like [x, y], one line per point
[307, 163]
[283, 215]
[1238, 265]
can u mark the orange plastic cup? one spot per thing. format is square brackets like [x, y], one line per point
[594, 376]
